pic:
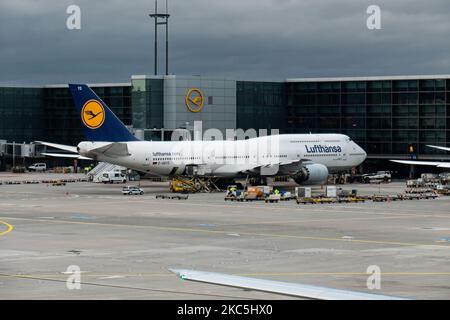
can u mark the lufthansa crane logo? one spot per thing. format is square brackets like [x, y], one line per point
[194, 100]
[93, 114]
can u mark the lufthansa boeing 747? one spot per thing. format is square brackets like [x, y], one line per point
[307, 158]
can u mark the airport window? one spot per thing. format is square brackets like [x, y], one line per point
[405, 123]
[439, 97]
[413, 85]
[329, 87]
[379, 123]
[404, 135]
[432, 110]
[401, 85]
[378, 135]
[432, 123]
[379, 148]
[304, 99]
[353, 86]
[374, 98]
[353, 123]
[375, 86]
[426, 85]
[432, 136]
[328, 99]
[356, 135]
[381, 110]
[400, 148]
[356, 98]
[305, 87]
[405, 111]
[329, 123]
[405, 98]
[353, 110]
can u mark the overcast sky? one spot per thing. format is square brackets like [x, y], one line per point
[244, 39]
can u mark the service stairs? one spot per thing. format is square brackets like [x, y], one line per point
[96, 174]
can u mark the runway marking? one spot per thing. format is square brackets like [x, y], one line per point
[8, 230]
[227, 232]
[318, 220]
[299, 208]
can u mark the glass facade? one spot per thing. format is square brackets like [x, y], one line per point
[62, 123]
[148, 104]
[260, 105]
[21, 114]
[383, 116]
[48, 113]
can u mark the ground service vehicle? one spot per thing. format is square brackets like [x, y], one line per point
[132, 190]
[38, 167]
[114, 176]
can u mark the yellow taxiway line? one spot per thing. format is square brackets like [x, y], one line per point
[8, 230]
[242, 233]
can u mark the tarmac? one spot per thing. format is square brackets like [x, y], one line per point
[124, 245]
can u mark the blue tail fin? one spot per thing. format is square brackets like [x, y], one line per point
[99, 122]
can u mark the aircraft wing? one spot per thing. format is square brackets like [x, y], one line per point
[66, 155]
[424, 163]
[286, 168]
[59, 146]
[284, 288]
[438, 147]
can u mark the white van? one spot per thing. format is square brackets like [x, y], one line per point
[114, 176]
[38, 167]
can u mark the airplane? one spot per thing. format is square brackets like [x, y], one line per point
[278, 287]
[307, 158]
[427, 163]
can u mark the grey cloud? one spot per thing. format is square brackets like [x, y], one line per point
[252, 39]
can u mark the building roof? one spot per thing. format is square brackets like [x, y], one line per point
[374, 78]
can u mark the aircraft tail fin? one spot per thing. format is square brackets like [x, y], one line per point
[99, 122]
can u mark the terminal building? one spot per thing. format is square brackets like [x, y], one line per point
[390, 117]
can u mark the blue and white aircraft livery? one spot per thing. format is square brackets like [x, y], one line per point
[307, 158]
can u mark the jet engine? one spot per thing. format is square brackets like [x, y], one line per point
[311, 174]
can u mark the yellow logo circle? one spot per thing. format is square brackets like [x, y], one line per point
[93, 114]
[194, 100]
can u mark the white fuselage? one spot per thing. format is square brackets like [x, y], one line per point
[231, 158]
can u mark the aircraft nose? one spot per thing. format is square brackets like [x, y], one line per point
[363, 153]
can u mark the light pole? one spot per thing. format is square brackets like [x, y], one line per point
[165, 17]
[14, 154]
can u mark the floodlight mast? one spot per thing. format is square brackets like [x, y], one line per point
[165, 21]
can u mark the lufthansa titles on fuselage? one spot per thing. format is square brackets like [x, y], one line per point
[317, 148]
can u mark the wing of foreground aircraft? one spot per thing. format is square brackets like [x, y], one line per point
[284, 288]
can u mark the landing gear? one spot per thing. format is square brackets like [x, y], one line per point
[193, 184]
[259, 181]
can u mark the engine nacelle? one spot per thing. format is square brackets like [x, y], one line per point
[312, 174]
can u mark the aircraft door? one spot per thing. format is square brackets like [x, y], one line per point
[147, 160]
